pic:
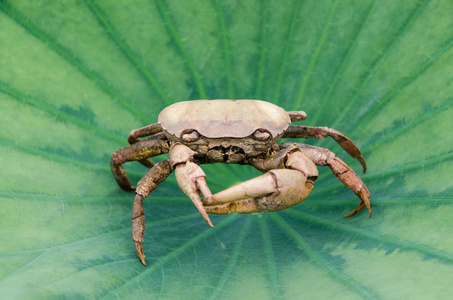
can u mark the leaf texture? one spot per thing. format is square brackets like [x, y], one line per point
[77, 76]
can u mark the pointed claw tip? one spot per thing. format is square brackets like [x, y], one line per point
[368, 206]
[362, 162]
[139, 248]
[352, 213]
[349, 215]
[210, 223]
[142, 259]
[205, 217]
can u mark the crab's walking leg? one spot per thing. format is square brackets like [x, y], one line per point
[295, 131]
[324, 157]
[149, 130]
[145, 186]
[297, 115]
[136, 134]
[190, 177]
[135, 152]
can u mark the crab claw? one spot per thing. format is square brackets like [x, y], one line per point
[192, 181]
[275, 190]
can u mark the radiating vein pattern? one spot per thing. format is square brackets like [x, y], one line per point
[67, 55]
[316, 258]
[103, 20]
[77, 76]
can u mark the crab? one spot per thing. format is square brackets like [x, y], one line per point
[242, 132]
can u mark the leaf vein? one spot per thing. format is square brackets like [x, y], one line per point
[233, 258]
[343, 65]
[172, 255]
[127, 51]
[226, 50]
[177, 39]
[332, 271]
[71, 59]
[379, 60]
[314, 57]
[403, 244]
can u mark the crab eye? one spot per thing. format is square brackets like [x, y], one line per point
[190, 136]
[261, 135]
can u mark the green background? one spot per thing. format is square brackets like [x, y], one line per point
[77, 76]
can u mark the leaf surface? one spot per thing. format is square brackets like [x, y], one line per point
[78, 76]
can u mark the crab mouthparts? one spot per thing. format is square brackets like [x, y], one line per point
[230, 154]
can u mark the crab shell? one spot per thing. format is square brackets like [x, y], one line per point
[224, 118]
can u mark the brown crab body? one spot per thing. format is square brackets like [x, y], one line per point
[227, 131]
[232, 131]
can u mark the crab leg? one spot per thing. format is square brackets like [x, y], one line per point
[324, 157]
[136, 134]
[149, 130]
[139, 151]
[190, 177]
[297, 115]
[273, 191]
[146, 185]
[295, 131]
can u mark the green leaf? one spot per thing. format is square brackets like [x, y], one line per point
[77, 76]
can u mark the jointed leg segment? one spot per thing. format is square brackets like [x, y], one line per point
[289, 181]
[324, 157]
[148, 130]
[152, 131]
[295, 131]
[139, 151]
[146, 185]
